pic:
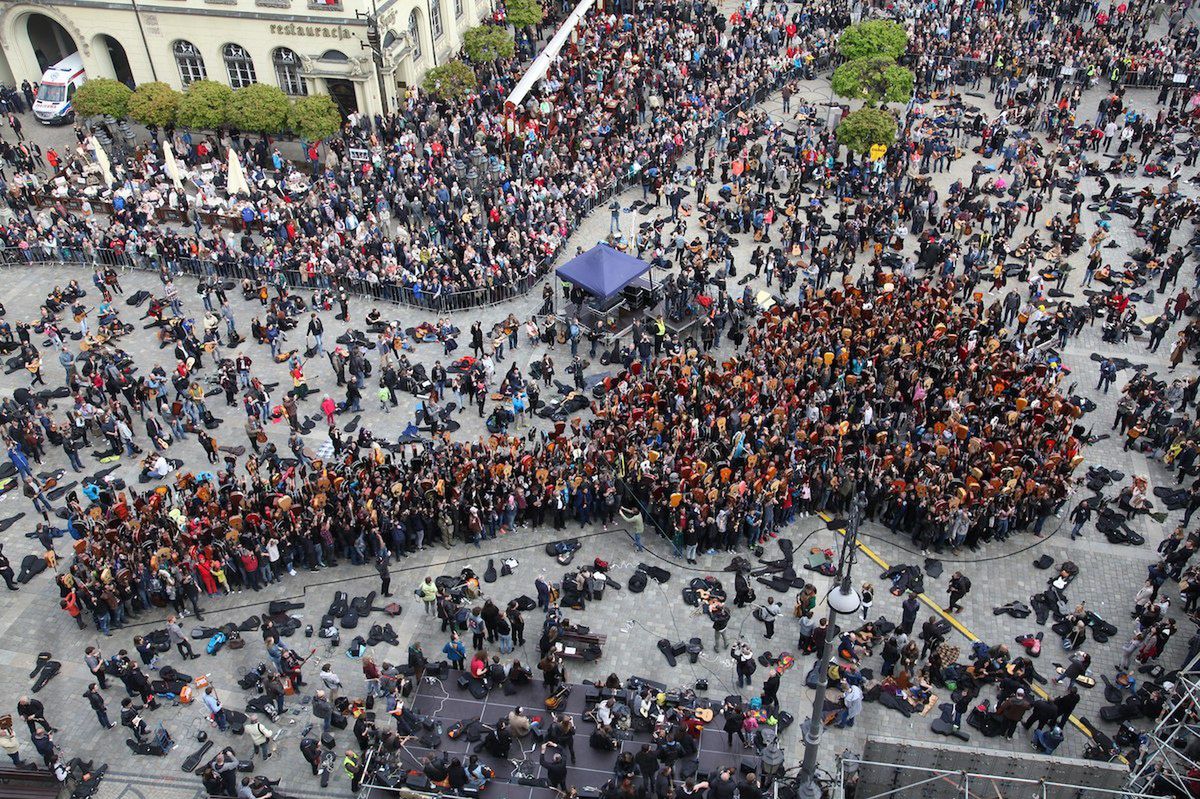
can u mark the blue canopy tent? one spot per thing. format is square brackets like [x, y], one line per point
[602, 271]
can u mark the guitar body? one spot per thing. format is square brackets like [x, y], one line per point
[558, 698]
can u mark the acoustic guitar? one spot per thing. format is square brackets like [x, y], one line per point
[558, 698]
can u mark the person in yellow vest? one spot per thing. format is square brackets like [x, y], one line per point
[353, 766]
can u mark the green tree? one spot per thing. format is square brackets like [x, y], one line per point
[523, 13]
[259, 108]
[487, 43]
[100, 97]
[874, 80]
[450, 80]
[154, 104]
[315, 117]
[874, 38]
[204, 106]
[865, 127]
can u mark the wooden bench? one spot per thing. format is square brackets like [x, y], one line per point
[574, 642]
[19, 783]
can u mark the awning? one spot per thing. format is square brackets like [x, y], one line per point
[602, 271]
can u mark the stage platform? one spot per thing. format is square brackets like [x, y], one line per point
[444, 700]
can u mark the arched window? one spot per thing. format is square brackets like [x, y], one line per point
[414, 33]
[190, 62]
[435, 18]
[239, 66]
[287, 72]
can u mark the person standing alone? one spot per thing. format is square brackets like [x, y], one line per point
[960, 586]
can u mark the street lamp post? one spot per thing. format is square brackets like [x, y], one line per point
[137, 14]
[374, 43]
[842, 600]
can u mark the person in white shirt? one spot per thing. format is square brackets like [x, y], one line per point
[332, 681]
[603, 713]
[853, 698]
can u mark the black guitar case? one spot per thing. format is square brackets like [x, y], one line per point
[363, 605]
[31, 566]
[946, 728]
[1112, 693]
[171, 674]
[668, 651]
[237, 721]
[489, 574]
[655, 573]
[42, 659]
[193, 760]
[46, 674]
[10, 521]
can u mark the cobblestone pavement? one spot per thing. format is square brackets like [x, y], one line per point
[30, 621]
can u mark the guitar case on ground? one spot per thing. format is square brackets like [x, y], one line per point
[193, 760]
[668, 651]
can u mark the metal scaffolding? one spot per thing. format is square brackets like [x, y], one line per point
[1172, 749]
[918, 781]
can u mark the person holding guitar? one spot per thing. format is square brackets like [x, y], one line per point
[34, 365]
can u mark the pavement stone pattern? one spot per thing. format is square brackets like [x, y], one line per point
[30, 621]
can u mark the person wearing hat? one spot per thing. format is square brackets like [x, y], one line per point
[1048, 740]
[1011, 711]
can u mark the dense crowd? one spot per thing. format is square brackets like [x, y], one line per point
[634, 92]
[950, 412]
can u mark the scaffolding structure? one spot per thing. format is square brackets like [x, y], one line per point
[1172, 749]
[909, 782]
[912, 769]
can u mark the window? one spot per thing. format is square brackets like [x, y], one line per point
[190, 62]
[414, 33]
[239, 66]
[327, 5]
[435, 18]
[287, 71]
[458, 8]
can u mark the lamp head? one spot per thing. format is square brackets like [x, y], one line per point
[843, 598]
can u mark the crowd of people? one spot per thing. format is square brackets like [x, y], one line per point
[634, 91]
[882, 368]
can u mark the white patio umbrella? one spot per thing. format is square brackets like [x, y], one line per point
[102, 161]
[170, 164]
[235, 181]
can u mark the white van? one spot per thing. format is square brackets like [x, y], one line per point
[58, 85]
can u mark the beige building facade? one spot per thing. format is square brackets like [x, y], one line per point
[302, 46]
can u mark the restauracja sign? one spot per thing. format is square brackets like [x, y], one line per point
[316, 31]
